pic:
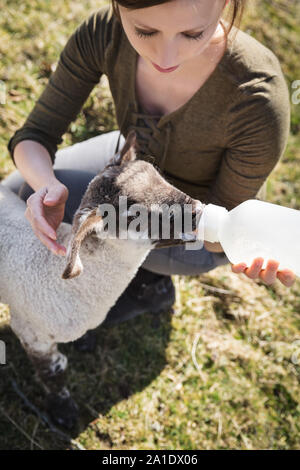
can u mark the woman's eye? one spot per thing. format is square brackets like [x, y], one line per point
[142, 34]
[195, 38]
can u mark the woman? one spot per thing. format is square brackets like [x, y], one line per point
[208, 102]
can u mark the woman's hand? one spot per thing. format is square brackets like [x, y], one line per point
[45, 211]
[268, 275]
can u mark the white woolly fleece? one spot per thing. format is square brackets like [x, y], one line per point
[44, 307]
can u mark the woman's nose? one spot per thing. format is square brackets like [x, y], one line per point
[166, 56]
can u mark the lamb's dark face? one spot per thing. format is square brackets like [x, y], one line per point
[160, 208]
[131, 199]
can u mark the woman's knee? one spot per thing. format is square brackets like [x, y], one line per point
[178, 260]
[90, 155]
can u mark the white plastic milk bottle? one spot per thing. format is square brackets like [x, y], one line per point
[255, 229]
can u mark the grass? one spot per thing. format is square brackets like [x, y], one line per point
[220, 372]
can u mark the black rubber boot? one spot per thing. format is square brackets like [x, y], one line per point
[147, 292]
[87, 342]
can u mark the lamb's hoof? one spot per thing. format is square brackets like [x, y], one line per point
[87, 342]
[63, 410]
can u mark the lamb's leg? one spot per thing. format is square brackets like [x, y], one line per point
[50, 366]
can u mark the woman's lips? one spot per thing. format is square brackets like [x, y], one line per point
[164, 70]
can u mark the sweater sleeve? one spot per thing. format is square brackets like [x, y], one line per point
[256, 137]
[80, 66]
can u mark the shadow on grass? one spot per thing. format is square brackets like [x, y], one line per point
[128, 357]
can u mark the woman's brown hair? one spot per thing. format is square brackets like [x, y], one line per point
[236, 8]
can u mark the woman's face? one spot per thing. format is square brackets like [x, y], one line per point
[173, 33]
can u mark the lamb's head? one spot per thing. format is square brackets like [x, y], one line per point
[140, 205]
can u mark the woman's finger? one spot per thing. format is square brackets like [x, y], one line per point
[286, 277]
[36, 207]
[253, 271]
[238, 268]
[269, 274]
[56, 195]
[55, 248]
[42, 226]
[38, 222]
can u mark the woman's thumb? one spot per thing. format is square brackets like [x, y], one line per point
[56, 195]
[50, 197]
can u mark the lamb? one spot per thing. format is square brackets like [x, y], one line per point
[57, 300]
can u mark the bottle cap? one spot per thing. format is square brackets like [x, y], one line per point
[211, 220]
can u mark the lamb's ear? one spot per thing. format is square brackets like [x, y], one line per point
[128, 152]
[85, 221]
